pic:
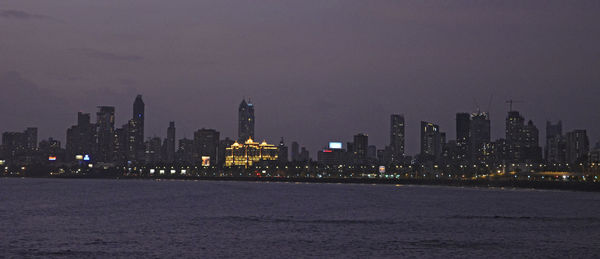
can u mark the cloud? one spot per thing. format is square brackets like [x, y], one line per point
[99, 54]
[18, 14]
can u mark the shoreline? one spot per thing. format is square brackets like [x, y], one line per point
[539, 185]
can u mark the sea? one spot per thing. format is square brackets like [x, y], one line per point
[107, 218]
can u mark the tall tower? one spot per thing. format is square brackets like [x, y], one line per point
[397, 136]
[463, 124]
[479, 135]
[515, 127]
[431, 140]
[554, 142]
[105, 121]
[245, 121]
[170, 145]
[361, 146]
[137, 137]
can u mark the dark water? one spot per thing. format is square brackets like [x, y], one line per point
[144, 218]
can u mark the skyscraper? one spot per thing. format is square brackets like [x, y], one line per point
[360, 148]
[463, 122]
[479, 135]
[295, 151]
[81, 138]
[282, 150]
[170, 143]
[136, 130]
[554, 150]
[531, 145]
[206, 144]
[431, 141]
[397, 137]
[577, 146]
[514, 135]
[31, 135]
[105, 122]
[223, 145]
[245, 121]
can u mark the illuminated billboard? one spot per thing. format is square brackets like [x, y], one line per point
[51, 158]
[205, 161]
[335, 145]
[79, 157]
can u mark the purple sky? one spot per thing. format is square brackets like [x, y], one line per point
[317, 70]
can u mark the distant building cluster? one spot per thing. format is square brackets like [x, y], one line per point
[99, 142]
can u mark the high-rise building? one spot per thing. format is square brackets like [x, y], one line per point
[463, 125]
[170, 143]
[136, 148]
[515, 124]
[185, 150]
[206, 145]
[245, 121]
[50, 149]
[431, 142]
[31, 135]
[282, 150]
[105, 121]
[120, 143]
[223, 145]
[531, 147]
[295, 151]
[397, 137]
[372, 152]
[577, 146]
[152, 153]
[14, 145]
[304, 155]
[479, 136]
[81, 138]
[555, 146]
[360, 148]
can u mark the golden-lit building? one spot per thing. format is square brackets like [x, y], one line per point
[249, 153]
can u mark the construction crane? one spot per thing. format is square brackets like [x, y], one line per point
[510, 102]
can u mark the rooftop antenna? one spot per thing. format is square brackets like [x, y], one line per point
[476, 105]
[510, 102]
[490, 103]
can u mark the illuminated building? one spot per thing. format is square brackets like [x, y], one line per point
[185, 150]
[135, 131]
[250, 153]
[246, 121]
[397, 137]
[431, 141]
[514, 135]
[223, 145]
[479, 135]
[206, 144]
[578, 146]
[283, 152]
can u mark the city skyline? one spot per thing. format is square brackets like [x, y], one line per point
[472, 142]
[398, 58]
[139, 114]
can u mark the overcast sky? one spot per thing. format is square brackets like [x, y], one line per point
[317, 70]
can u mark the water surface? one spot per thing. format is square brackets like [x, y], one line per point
[145, 218]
